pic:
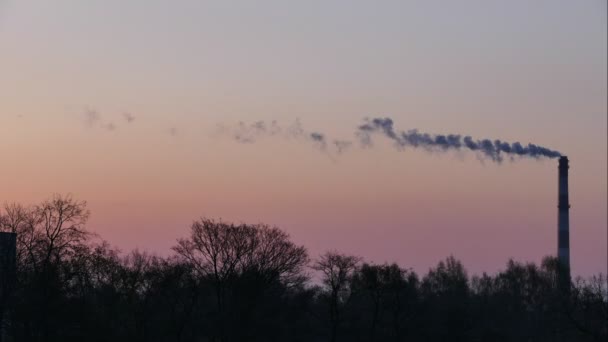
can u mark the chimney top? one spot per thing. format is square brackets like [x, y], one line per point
[563, 162]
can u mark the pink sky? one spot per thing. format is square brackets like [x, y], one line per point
[518, 72]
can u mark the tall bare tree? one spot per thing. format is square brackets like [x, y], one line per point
[49, 231]
[48, 234]
[61, 222]
[223, 251]
[337, 270]
[215, 249]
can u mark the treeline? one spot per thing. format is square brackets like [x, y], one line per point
[240, 282]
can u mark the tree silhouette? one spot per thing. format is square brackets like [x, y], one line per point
[239, 282]
[337, 270]
[223, 253]
[389, 296]
[445, 292]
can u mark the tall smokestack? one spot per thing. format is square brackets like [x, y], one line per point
[563, 218]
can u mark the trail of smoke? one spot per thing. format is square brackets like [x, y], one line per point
[110, 126]
[129, 117]
[342, 145]
[93, 118]
[249, 133]
[494, 150]
[319, 139]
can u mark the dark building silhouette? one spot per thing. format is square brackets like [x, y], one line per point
[8, 250]
[563, 217]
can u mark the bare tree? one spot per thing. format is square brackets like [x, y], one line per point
[14, 218]
[48, 235]
[337, 270]
[275, 257]
[47, 232]
[61, 222]
[215, 249]
[223, 251]
[20, 220]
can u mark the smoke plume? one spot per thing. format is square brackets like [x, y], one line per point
[94, 119]
[495, 150]
[128, 117]
[91, 117]
[109, 126]
[249, 133]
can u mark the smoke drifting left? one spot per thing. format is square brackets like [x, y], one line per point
[488, 149]
[363, 136]
[495, 149]
[249, 133]
[94, 119]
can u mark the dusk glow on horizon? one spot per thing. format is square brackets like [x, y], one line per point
[159, 113]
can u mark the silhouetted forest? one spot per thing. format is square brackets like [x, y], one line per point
[241, 282]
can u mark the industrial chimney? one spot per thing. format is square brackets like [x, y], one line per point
[563, 219]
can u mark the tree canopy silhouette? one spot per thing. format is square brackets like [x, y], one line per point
[249, 282]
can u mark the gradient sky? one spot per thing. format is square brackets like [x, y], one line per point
[529, 71]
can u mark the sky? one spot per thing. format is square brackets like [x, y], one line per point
[72, 72]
